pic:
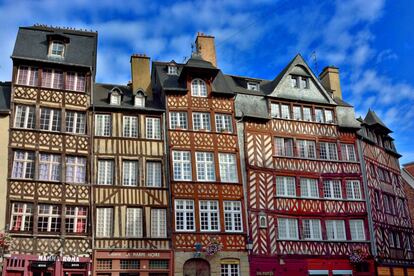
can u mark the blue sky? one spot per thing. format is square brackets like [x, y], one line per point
[372, 42]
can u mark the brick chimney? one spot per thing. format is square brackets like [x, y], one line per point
[141, 74]
[206, 47]
[330, 81]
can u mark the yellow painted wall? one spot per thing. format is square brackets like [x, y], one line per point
[4, 141]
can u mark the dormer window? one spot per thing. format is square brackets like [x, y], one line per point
[253, 86]
[295, 81]
[172, 70]
[198, 88]
[139, 99]
[115, 98]
[57, 49]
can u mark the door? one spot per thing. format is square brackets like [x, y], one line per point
[196, 267]
[42, 273]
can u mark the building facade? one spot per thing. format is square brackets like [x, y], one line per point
[207, 202]
[407, 174]
[48, 187]
[130, 195]
[390, 220]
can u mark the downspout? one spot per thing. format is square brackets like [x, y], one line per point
[91, 186]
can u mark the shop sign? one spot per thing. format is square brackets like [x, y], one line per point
[264, 273]
[74, 265]
[40, 265]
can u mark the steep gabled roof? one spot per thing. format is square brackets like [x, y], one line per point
[372, 119]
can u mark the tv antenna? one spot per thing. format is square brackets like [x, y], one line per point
[315, 61]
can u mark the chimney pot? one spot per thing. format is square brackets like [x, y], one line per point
[330, 81]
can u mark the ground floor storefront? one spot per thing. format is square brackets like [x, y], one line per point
[132, 263]
[46, 265]
[328, 266]
[394, 271]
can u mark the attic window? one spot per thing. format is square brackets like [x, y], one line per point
[172, 70]
[304, 82]
[253, 86]
[139, 100]
[295, 82]
[115, 98]
[57, 49]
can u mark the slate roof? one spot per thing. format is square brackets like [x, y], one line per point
[32, 44]
[5, 92]
[101, 98]
[372, 119]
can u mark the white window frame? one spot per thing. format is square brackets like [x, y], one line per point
[51, 217]
[287, 224]
[228, 168]
[78, 123]
[233, 221]
[153, 128]
[230, 269]
[50, 119]
[313, 227]
[134, 223]
[105, 174]
[55, 82]
[253, 86]
[27, 164]
[348, 152]
[308, 187]
[319, 118]
[285, 111]
[353, 190]
[203, 122]
[103, 125]
[285, 186]
[25, 117]
[307, 113]
[209, 216]
[154, 173]
[182, 165]
[115, 98]
[198, 88]
[329, 116]
[184, 214]
[104, 222]
[205, 167]
[78, 165]
[331, 188]
[306, 148]
[77, 84]
[130, 173]
[26, 215]
[284, 146]
[130, 126]
[297, 113]
[328, 151]
[335, 226]
[275, 110]
[158, 223]
[31, 78]
[178, 120]
[295, 81]
[60, 48]
[172, 70]
[50, 166]
[357, 229]
[224, 123]
[139, 100]
[78, 215]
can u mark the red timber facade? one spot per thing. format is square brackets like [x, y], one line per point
[393, 244]
[130, 194]
[48, 192]
[208, 221]
[306, 203]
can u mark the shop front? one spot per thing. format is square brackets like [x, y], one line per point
[132, 263]
[46, 265]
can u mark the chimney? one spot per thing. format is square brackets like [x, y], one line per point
[206, 48]
[141, 74]
[330, 81]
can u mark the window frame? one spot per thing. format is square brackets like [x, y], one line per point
[205, 166]
[224, 123]
[208, 215]
[130, 126]
[228, 167]
[158, 223]
[289, 236]
[79, 81]
[76, 217]
[27, 114]
[28, 164]
[355, 235]
[130, 173]
[31, 77]
[182, 164]
[348, 152]
[52, 50]
[335, 223]
[187, 213]
[233, 217]
[108, 176]
[103, 125]
[199, 88]
[134, 222]
[282, 186]
[284, 146]
[178, 120]
[51, 217]
[52, 164]
[154, 178]
[56, 81]
[353, 190]
[313, 236]
[52, 119]
[23, 218]
[304, 181]
[105, 228]
[329, 191]
[203, 123]
[77, 165]
[153, 128]
[78, 123]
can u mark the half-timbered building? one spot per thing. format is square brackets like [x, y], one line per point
[306, 202]
[391, 227]
[207, 202]
[48, 192]
[130, 194]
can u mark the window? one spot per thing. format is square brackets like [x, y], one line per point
[328, 151]
[172, 70]
[311, 229]
[386, 203]
[139, 100]
[48, 218]
[153, 127]
[285, 110]
[184, 215]
[329, 116]
[332, 189]
[130, 173]
[335, 230]
[181, 165]
[304, 82]
[130, 127]
[178, 120]
[23, 164]
[228, 167]
[104, 264]
[76, 219]
[103, 125]
[105, 172]
[309, 188]
[275, 110]
[285, 186]
[75, 122]
[50, 119]
[57, 49]
[262, 220]
[25, 116]
[27, 76]
[287, 229]
[21, 217]
[297, 113]
[357, 229]
[201, 121]
[233, 216]
[198, 88]
[75, 81]
[154, 175]
[353, 189]
[319, 115]
[104, 222]
[284, 146]
[295, 81]
[49, 167]
[253, 86]
[129, 264]
[209, 215]
[224, 123]
[134, 223]
[158, 264]
[75, 169]
[306, 148]
[307, 114]
[115, 98]
[348, 152]
[205, 166]
[52, 78]
[231, 269]
[158, 223]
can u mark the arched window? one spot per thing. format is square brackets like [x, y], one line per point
[198, 88]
